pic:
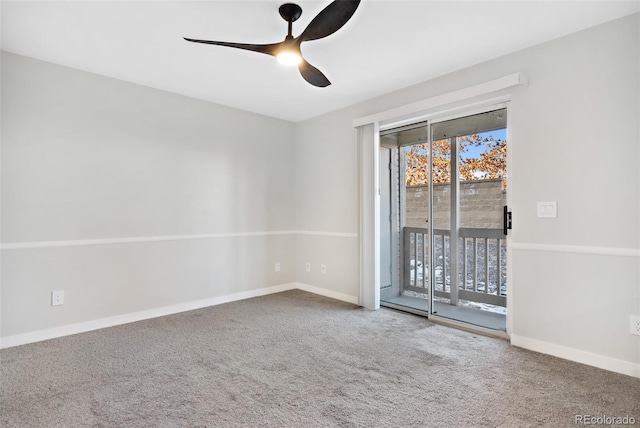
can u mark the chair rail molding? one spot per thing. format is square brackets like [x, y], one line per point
[577, 249]
[137, 239]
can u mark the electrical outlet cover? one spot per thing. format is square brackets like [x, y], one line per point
[57, 297]
[634, 325]
[547, 210]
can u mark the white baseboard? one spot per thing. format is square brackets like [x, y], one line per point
[327, 293]
[603, 362]
[82, 327]
[600, 361]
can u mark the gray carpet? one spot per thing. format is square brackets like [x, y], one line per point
[295, 359]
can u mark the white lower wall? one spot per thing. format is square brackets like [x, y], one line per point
[340, 255]
[103, 281]
[99, 323]
[578, 302]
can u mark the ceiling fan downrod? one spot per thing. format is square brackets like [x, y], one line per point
[290, 12]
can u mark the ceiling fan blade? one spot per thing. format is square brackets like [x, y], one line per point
[330, 20]
[269, 49]
[313, 75]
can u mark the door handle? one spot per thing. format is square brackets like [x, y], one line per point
[506, 220]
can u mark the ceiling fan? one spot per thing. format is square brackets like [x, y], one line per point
[327, 22]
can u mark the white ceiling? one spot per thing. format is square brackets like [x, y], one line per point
[387, 45]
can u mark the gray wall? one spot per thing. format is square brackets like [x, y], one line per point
[86, 157]
[573, 138]
[326, 180]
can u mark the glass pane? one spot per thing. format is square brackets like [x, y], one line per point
[416, 185]
[482, 176]
[416, 216]
[483, 179]
[411, 198]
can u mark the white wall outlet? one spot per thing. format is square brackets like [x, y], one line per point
[307, 267]
[547, 210]
[634, 325]
[57, 297]
[323, 269]
[276, 267]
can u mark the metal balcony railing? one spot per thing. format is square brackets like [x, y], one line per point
[481, 264]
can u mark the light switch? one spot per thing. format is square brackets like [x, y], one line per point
[547, 210]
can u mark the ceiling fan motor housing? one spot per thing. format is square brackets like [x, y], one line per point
[290, 12]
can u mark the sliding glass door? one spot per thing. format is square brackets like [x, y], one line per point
[442, 211]
[469, 247]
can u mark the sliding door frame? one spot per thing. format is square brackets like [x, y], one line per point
[368, 143]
